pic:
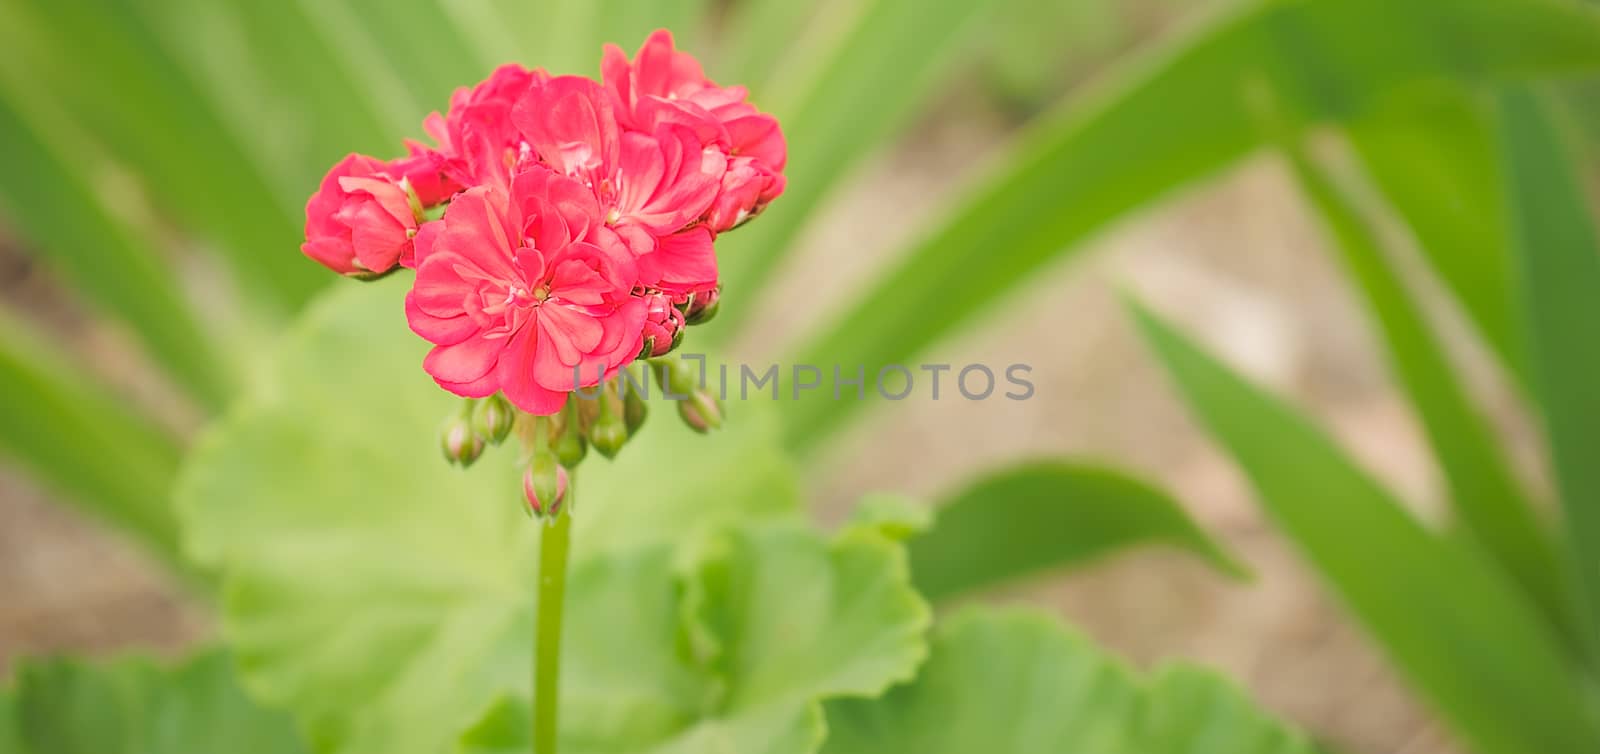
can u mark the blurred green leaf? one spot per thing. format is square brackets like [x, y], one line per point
[864, 88]
[133, 706]
[103, 65]
[85, 442]
[1557, 274]
[59, 209]
[1030, 518]
[1432, 152]
[377, 572]
[1172, 116]
[894, 516]
[767, 623]
[1016, 682]
[1431, 602]
[1484, 494]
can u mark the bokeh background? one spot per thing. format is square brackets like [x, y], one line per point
[154, 155]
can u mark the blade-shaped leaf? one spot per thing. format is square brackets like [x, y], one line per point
[91, 445]
[1174, 116]
[1432, 153]
[1030, 518]
[103, 65]
[1484, 494]
[771, 621]
[59, 210]
[1557, 257]
[377, 572]
[133, 706]
[864, 88]
[1431, 602]
[1015, 682]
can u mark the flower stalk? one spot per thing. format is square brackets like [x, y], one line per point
[547, 625]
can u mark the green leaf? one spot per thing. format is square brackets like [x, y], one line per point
[133, 706]
[1431, 150]
[894, 516]
[862, 89]
[1171, 117]
[106, 68]
[1027, 519]
[73, 228]
[1557, 264]
[1015, 682]
[1432, 602]
[735, 655]
[1484, 494]
[85, 442]
[358, 565]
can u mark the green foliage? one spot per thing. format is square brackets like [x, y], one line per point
[1432, 602]
[377, 572]
[1178, 114]
[1038, 516]
[135, 706]
[1483, 491]
[1557, 263]
[1015, 683]
[1431, 150]
[68, 430]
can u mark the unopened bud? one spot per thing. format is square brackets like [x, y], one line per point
[570, 446]
[495, 418]
[663, 326]
[610, 430]
[460, 443]
[633, 410]
[544, 484]
[702, 306]
[701, 411]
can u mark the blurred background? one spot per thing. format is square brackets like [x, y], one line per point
[155, 156]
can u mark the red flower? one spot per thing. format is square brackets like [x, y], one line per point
[663, 85]
[648, 185]
[524, 293]
[477, 142]
[360, 222]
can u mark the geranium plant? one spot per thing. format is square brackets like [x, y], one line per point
[561, 229]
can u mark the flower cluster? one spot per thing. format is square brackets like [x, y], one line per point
[560, 227]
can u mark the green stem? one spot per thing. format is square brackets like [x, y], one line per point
[547, 626]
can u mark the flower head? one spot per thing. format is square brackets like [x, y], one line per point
[648, 184]
[360, 222]
[526, 293]
[663, 85]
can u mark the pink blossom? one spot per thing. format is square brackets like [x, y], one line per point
[428, 173]
[662, 324]
[747, 187]
[477, 143]
[520, 291]
[649, 185]
[664, 85]
[360, 222]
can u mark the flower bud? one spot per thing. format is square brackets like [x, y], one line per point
[633, 410]
[701, 411]
[702, 306]
[495, 418]
[461, 444]
[545, 480]
[610, 430]
[663, 326]
[570, 446]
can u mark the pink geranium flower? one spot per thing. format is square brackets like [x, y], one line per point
[663, 85]
[477, 143]
[521, 291]
[360, 222]
[648, 185]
